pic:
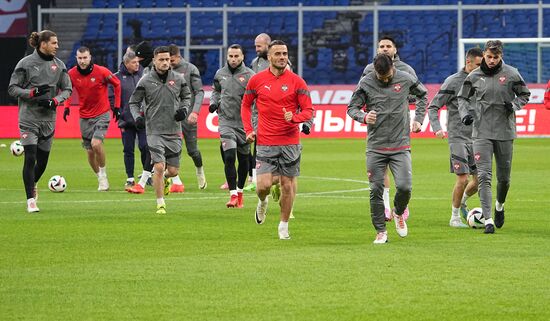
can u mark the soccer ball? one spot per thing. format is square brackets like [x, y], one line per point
[16, 148]
[57, 184]
[475, 218]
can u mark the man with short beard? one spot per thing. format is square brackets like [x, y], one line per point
[159, 104]
[489, 98]
[228, 89]
[40, 83]
[91, 82]
[279, 94]
[384, 93]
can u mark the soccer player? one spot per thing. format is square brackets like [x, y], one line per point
[40, 83]
[489, 98]
[159, 103]
[228, 89]
[129, 73]
[91, 82]
[385, 93]
[387, 46]
[189, 126]
[460, 137]
[259, 63]
[278, 93]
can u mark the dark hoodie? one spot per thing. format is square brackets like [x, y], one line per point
[128, 83]
[144, 50]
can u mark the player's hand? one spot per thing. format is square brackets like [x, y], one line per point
[213, 108]
[39, 91]
[116, 113]
[287, 114]
[370, 118]
[416, 127]
[467, 120]
[140, 122]
[440, 134]
[180, 114]
[193, 118]
[48, 103]
[66, 113]
[305, 129]
[509, 107]
[250, 138]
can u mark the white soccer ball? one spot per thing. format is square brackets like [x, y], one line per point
[57, 184]
[16, 148]
[475, 218]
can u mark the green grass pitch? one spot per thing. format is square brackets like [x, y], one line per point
[92, 255]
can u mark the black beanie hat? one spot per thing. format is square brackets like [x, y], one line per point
[144, 50]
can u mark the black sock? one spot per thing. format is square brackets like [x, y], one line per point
[229, 168]
[243, 169]
[29, 169]
[41, 163]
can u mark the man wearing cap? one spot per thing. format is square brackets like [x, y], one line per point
[489, 99]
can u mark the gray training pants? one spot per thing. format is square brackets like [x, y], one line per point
[483, 156]
[400, 165]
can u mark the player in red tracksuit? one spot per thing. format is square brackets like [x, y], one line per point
[283, 102]
[91, 82]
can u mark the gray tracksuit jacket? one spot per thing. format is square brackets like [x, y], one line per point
[161, 100]
[391, 131]
[193, 78]
[397, 63]
[33, 71]
[492, 120]
[447, 96]
[258, 64]
[128, 83]
[228, 91]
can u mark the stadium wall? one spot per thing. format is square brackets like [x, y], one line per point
[331, 120]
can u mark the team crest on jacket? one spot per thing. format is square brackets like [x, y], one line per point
[171, 82]
[477, 156]
[284, 87]
[54, 67]
[456, 166]
[502, 80]
[242, 79]
[397, 88]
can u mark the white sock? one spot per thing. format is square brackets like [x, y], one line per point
[386, 197]
[283, 225]
[102, 171]
[454, 212]
[465, 198]
[233, 192]
[239, 190]
[130, 179]
[499, 206]
[254, 175]
[144, 177]
[200, 170]
[160, 201]
[489, 221]
[176, 180]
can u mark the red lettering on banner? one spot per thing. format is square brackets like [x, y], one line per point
[331, 119]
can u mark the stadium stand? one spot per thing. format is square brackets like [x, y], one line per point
[337, 45]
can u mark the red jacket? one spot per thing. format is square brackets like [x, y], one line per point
[93, 97]
[547, 96]
[273, 94]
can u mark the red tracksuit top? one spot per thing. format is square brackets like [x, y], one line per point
[93, 97]
[272, 94]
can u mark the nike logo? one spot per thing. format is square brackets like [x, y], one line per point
[268, 87]
[36, 67]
